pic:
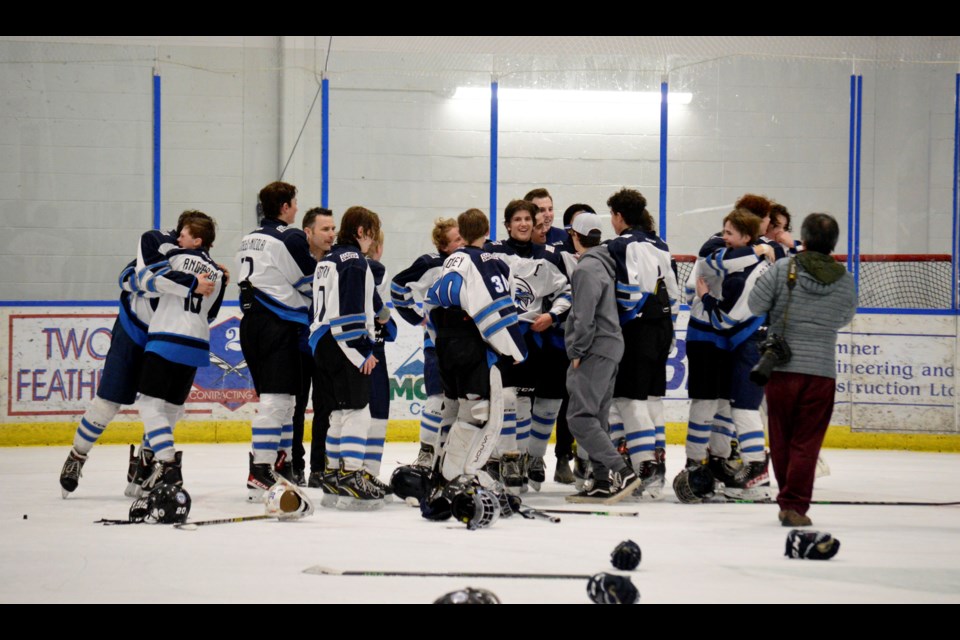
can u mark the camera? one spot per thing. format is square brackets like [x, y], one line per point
[774, 351]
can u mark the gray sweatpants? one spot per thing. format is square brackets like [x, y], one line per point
[591, 393]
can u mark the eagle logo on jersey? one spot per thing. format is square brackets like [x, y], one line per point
[523, 294]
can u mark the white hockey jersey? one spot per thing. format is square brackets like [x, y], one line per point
[646, 282]
[276, 260]
[343, 295]
[146, 278]
[540, 284]
[180, 327]
[480, 283]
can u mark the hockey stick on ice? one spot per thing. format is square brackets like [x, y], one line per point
[531, 514]
[190, 526]
[328, 571]
[622, 514]
[868, 503]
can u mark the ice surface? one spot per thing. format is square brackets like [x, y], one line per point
[691, 553]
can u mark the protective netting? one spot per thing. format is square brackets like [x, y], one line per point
[888, 281]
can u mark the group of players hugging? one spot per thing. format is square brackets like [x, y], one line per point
[496, 362]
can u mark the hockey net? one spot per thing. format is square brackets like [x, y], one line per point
[888, 281]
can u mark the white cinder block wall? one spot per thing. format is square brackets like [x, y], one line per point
[76, 138]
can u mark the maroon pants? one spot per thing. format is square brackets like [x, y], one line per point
[799, 407]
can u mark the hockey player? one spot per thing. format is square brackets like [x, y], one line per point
[321, 232]
[542, 295]
[178, 342]
[544, 201]
[738, 326]
[711, 425]
[275, 276]
[386, 331]
[409, 287]
[474, 323]
[648, 300]
[121, 369]
[342, 338]
[595, 346]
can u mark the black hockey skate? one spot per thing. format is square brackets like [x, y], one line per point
[425, 457]
[138, 468]
[651, 482]
[563, 474]
[510, 473]
[328, 482]
[70, 473]
[750, 482]
[357, 492]
[536, 472]
[164, 473]
[262, 476]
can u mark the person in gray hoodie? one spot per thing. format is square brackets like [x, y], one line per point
[595, 345]
[800, 392]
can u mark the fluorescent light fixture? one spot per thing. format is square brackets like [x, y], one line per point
[572, 96]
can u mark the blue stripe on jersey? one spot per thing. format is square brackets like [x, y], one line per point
[190, 355]
[136, 330]
[349, 335]
[355, 317]
[402, 291]
[300, 315]
[302, 281]
[500, 324]
[493, 307]
[628, 288]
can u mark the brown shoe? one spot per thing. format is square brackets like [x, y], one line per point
[790, 518]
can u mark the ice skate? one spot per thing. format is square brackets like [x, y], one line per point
[563, 474]
[424, 457]
[651, 483]
[536, 472]
[164, 473]
[751, 482]
[510, 474]
[138, 468]
[70, 473]
[262, 476]
[357, 492]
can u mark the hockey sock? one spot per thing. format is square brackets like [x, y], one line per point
[523, 423]
[286, 430]
[655, 405]
[156, 427]
[722, 430]
[750, 434]
[507, 442]
[267, 426]
[638, 427]
[431, 421]
[373, 452]
[92, 424]
[353, 437]
[544, 416]
[698, 428]
[333, 440]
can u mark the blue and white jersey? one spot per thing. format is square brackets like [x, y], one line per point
[479, 283]
[146, 278]
[540, 283]
[386, 331]
[276, 260]
[730, 314]
[180, 327]
[343, 295]
[715, 263]
[646, 282]
[410, 286]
